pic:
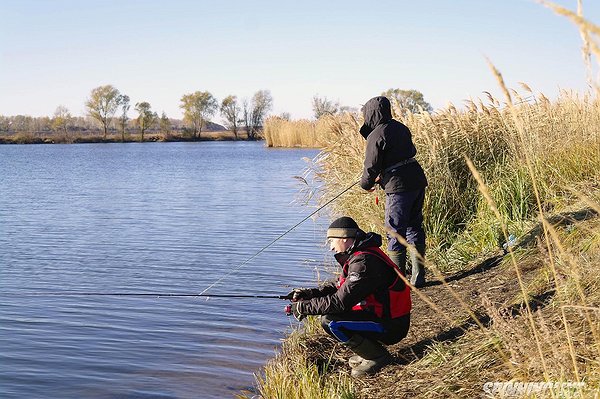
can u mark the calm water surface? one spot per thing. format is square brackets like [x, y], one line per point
[152, 217]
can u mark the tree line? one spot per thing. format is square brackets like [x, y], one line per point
[108, 109]
[406, 101]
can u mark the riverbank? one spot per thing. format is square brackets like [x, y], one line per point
[57, 138]
[527, 315]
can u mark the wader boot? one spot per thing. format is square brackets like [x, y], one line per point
[375, 356]
[399, 258]
[418, 267]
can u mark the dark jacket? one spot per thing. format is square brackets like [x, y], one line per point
[388, 142]
[366, 274]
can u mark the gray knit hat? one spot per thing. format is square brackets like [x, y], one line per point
[344, 227]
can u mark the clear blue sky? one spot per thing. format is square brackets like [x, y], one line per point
[55, 52]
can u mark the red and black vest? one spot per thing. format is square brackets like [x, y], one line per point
[394, 302]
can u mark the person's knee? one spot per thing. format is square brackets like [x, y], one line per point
[396, 331]
[326, 325]
[416, 236]
[325, 320]
[395, 245]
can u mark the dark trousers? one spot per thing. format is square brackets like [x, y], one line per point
[404, 215]
[343, 326]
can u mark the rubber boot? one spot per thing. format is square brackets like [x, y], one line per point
[375, 356]
[418, 267]
[399, 258]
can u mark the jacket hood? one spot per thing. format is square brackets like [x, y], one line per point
[376, 111]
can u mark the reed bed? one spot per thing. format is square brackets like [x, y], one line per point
[280, 132]
[560, 136]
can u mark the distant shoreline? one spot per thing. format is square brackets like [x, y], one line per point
[81, 138]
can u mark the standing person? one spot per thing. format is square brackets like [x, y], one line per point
[390, 162]
[367, 307]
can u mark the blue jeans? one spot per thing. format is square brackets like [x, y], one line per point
[404, 214]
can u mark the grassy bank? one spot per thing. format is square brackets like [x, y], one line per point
[529, 316]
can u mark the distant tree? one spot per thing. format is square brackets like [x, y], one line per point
[407, 101]
[347, 108]
[164, 124]
[323, 106]
[285, 116]
[146, 118]
[123, 118]
[103, 104]
[23, 123]
[61, 120]
[197, 108]
[246, 116]
[256, 111]
[4, 124]
[230, 110]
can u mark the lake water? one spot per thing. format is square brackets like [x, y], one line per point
[147, 218]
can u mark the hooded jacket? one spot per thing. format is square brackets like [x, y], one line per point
[363, 274]
[388, 143]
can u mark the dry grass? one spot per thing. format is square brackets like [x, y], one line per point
[561, 136]
[280, 132]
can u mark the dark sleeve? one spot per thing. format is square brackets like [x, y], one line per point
[361, 282]
[326, 288]
[373, 165]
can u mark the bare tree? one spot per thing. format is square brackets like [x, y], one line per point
[123, 118]
[61, 120]
[230, 110]
[146, 118]
[103, 104]
[246, 116]
[165, 124]
[197, 108]
[323, 106]
[256, 111]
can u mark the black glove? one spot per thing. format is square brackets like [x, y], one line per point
[292, 310]
[299, 293]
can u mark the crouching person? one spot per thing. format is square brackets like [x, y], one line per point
[369, 306]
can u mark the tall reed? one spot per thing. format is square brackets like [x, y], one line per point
[561, 135]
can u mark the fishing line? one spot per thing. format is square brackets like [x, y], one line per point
[152, 294]
[277, 238]
[203, 293]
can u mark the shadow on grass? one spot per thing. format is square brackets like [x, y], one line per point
[528, 240]
[559, 220]
[480, 268]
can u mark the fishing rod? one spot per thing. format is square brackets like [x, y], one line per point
[278, 238]
[153, 294]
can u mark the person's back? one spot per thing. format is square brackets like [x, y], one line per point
[389, 161]
[389, 142]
